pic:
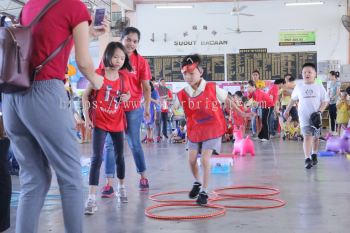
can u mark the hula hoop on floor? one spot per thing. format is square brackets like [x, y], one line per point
[153, 197]
[221, 211]
[273, 192]
[279, 202]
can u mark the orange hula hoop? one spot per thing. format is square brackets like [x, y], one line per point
[274, 191]
[279, 201]
[153, 197]
[221, 211]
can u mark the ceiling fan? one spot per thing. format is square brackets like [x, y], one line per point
[236, 10]
[238, 29]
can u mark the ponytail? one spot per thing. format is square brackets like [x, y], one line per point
[335, 73]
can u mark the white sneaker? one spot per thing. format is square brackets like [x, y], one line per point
[264, 140]
[121, 194]
[90, 207]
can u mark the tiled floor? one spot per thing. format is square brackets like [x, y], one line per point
[318, 200]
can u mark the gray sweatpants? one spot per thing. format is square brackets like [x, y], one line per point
[40, 126]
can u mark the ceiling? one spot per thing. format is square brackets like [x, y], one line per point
[12, 7]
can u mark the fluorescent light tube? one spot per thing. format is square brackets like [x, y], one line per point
[174, 7]
[304, 3]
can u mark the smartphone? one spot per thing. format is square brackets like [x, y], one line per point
[99, 16]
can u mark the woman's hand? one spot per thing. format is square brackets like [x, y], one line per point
[99, 32]
[125, 97]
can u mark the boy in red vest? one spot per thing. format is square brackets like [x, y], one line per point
[206, 124]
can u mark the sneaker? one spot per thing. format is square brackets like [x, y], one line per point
[107, 192]
[159, 139]
[202, 198]
[122, 195]
[314, 159]
[144, 186]
[144, 140]
[150, 140]
[264, 140]
[90, 207]
[195, 190]
[308, 163]
[215, 152]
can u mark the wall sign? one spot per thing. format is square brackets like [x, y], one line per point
[203, 43]
[294, 38]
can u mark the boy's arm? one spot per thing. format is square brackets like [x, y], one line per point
[290, 105]
[325, 100]
[176, 104]
[323, 106]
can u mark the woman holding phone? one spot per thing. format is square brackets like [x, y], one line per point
[28, 116]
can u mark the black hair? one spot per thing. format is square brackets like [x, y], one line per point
[244, 99]
[109, 53]
[153, 78]
[309, 64]
[348, 90]
[161, 79]
[251, 83]
[256, 71]
[183, 123]
[229, 93]
[291, 77]
[279, 81]
[151, 84]
[190, 59]
[334, 73]
[239, 94]
[129, 30]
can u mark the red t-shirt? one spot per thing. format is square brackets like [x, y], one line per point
[262, 98]
[107, 112]
[53, 28]
[141, 71]
[238, 119]
[273, 91]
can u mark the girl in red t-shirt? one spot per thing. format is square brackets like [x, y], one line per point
[265, 102]
[237, 119]
[105, 115]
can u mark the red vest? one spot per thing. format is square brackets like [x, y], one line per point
[204, 116]
[107, 113]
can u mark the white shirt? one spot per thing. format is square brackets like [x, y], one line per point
[310, 97]
[221, 94]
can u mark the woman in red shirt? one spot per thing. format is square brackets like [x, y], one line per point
[39, 121]
[265, 102]
[139, 86]
[105, 115]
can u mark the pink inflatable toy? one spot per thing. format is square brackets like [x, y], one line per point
[242, 146]
[339, 144]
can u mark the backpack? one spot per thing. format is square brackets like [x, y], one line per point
[15, 55]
